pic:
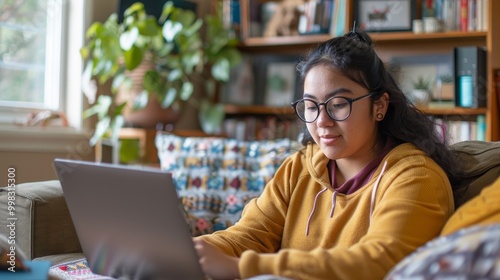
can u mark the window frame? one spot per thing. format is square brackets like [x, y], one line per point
[66, 72]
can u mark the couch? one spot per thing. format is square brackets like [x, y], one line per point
[215, 178]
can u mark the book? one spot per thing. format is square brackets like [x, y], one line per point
[480, 128]
[333, 15]
[230, 11]
[464, 15]
[340, 18]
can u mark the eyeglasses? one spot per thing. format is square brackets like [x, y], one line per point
[338, 108]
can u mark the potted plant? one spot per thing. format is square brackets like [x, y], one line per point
[421, 93]
[173, 57]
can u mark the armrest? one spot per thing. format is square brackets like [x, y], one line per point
[43, 225]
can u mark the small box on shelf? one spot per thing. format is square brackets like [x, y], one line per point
[470, 76]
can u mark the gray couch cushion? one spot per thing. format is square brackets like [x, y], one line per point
[481, 163]
[43, 225]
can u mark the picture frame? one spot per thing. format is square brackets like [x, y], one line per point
[277, 80]
[384, 15]
[280, 84]
[429, 66]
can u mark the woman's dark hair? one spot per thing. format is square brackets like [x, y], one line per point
[354, 55]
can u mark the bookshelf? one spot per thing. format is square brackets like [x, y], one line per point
[388, 45]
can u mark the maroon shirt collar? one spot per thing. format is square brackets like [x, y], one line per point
[356, 182]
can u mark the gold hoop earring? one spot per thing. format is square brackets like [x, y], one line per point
[380, 116]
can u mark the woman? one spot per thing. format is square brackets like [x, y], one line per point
[370, 186]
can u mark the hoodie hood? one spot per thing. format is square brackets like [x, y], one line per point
[317, 168]
[316, 163]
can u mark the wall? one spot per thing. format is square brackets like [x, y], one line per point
[31, 151]
[32, 166]
[102, 9]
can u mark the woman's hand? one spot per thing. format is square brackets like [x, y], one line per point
[216, 264]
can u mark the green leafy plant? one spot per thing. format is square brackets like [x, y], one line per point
[181, 57]
[423, 83]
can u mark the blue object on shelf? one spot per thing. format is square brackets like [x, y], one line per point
[466, 91]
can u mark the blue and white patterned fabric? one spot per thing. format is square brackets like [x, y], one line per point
[217, 177]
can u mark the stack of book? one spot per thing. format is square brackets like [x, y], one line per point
[458, 15]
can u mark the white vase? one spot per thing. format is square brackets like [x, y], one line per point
[420, 97]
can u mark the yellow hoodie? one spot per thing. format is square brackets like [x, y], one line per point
[302, 229]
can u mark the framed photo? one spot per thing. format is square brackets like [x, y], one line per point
[280, 84]
[384, 15]
[436, 68]
[277, 82]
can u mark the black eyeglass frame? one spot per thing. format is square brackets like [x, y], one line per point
[349, 100]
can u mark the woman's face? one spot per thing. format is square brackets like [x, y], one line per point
[353, 138]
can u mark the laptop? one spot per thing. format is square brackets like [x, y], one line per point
[129, 220]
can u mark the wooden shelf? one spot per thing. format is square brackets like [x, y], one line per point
[452, 36]
[284, 41]
[265, 110]
[407, 43]
[256, 44]
[453, 111]
[256, 110]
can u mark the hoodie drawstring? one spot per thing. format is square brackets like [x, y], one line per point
[313, 209]
[374, 191]
[334, 199]
[334, 196]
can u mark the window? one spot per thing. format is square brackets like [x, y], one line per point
[31, 57]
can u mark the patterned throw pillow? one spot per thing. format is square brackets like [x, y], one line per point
[470, 253]
[216, 177]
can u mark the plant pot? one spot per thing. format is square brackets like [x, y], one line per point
[151, 115]
[420, 97]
